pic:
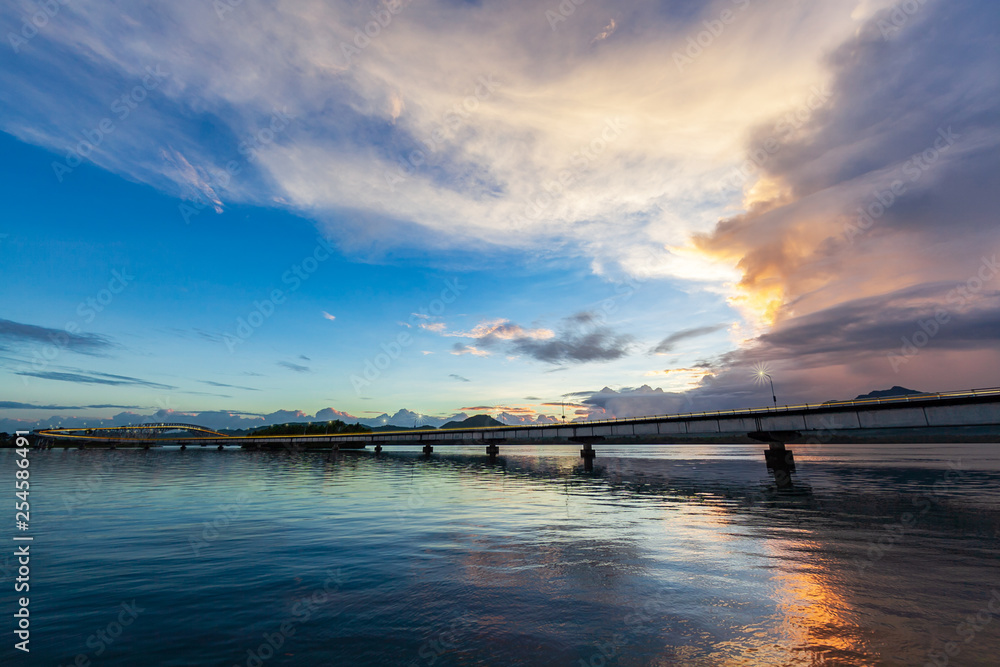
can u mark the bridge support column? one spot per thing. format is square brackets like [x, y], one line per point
[183, 447]
[427, 450]
[492, 450]
[221, 447]
[378, 449]
[781, 461]
[588, 453]
[778, 457]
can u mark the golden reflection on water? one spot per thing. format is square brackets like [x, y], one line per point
[756, 582]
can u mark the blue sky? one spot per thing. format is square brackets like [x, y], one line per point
[632, 207]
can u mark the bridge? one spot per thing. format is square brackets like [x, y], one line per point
[131, 433]
[972, 415]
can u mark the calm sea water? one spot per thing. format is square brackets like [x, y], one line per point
[662, 555]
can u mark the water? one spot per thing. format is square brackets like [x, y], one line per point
[663, 555]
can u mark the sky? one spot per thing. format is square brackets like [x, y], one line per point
[236, 213]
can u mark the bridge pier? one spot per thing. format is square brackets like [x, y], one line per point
[781, 462]
[427, 450]
[183, 447]
[221, 447]
[778, 457]
[587, 453]
[378, 449]
[492, 450]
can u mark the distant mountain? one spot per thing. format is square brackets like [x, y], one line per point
[885, 393]
[474, 422]
[408, 418]
[402, 428]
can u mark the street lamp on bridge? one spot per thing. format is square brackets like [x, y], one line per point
[761, 373]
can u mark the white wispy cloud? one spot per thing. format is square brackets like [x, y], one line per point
[521, 142]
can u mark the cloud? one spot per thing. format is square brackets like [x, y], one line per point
[459, 350]
[459, 378]
[195, 182]
[609, 30]
[502, 329]
[486, 177]
[231, 386]
[329, 414]
[81, 343]
[581, 338]
[669, 343]
[294, 367]
[229, 419]
[911, 111]
[10, 405]
[796, 177]
[93, 377]
[329, 316]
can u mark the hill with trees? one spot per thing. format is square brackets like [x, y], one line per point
[335, 427]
